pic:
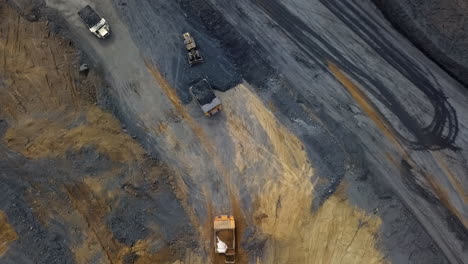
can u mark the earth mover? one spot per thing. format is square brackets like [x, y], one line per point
[96, 24]
[225, 237]
[205, 97]
[194, 56]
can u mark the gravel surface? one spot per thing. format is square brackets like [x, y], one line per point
[330, 95]
[74, 187]
[439, 28]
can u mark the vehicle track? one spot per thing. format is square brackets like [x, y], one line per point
[443, 129]
[439, 134]
[256, 153]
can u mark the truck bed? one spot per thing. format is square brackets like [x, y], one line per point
[203, 92]
[89, 16]
[227, 236]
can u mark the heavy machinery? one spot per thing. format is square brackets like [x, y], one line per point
[194, 56]
[205, 97]
[224, 227]
[96, 24]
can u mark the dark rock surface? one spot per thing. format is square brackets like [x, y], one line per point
[438, 28]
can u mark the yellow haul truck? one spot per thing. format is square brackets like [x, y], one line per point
[225, 237]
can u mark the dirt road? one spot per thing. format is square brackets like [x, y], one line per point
[339, 142]
[74, 187]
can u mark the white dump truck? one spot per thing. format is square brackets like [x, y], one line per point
[96, 24]
[205, 97]
[225, 237]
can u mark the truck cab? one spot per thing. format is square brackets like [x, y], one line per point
[224, 227]
[101, 30]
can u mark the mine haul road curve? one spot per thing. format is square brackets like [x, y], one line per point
[325, 91]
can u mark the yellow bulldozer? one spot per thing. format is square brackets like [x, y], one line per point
[194, 56]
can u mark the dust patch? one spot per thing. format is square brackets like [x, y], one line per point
[388, 131]
[364, 103]
[424, 184]
[285, 175]
[336, 233]
[35, 66]
[204, 140]
[278, 157]
[279, 167]
[165, 256]
[7, 233]
[88, 205]
[53, 121]
[40, 138]
[45, 96]
[452, 177]
[179, 107]
[94, 210]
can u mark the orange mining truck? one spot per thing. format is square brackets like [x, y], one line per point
[225, 237]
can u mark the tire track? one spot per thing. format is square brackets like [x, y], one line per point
[443, 129]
